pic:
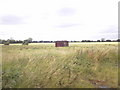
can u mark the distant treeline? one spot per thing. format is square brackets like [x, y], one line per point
[30, 41]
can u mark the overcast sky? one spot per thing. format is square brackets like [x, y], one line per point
[59, 19]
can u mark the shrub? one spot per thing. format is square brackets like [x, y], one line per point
[25, 42]
[6, 43]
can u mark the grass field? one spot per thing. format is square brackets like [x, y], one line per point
[91, 65]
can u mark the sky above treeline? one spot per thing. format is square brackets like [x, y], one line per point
[59, 19]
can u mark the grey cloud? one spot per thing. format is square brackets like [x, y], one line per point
[67, 25]
[109, 33]
[11, 20]
[110, 29]
[67, 11]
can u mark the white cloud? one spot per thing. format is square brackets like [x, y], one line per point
[58, 19]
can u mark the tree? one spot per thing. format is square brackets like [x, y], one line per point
[0, 41]
[11, 40]
[29, 40]
[102, 39]
[98, 40]
[118, 40]
[108, 40]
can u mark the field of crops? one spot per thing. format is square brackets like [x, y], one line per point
[45, 66]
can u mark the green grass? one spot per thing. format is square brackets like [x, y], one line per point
[45, 66]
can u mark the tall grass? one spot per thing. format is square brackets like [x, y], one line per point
[45, 66]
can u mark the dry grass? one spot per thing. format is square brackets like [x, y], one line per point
[45, 66]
